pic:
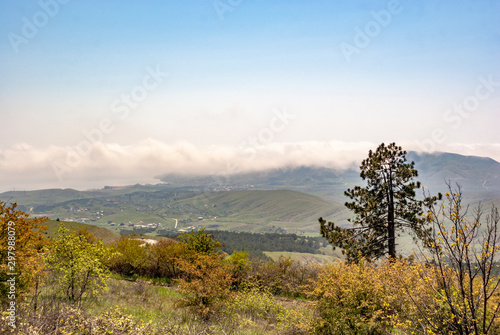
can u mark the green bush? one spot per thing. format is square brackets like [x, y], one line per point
[131, 256]
[76, 262]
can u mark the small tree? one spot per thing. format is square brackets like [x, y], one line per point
[165, 258]
[200, 242]
[387, 204]
[131, 256]
[463, 266]
[77, 263]
[21, 239]
[207, 283]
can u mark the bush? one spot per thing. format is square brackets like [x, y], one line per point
[252, 306]
[71, 320]
[283, 277]
[21, 239]
[207, 285]
[131, 257]
[456, 290]
[351, 299]
[165, 258]
[240, 265]
[77, 264]
[200, 242]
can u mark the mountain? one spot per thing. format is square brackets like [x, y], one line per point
[249, 210]
[479, 177]
[280, 200]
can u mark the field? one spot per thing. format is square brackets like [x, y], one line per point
[139, 307]
[101, 233]
[304, 258]
[282, 211]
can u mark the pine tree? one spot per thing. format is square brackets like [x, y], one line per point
[384, 207]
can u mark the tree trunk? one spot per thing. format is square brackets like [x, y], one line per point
[391, 229]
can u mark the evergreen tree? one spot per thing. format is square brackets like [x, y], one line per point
[385, 206]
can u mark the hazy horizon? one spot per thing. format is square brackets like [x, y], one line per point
[119, 92]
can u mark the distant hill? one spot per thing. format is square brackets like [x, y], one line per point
[250, 210]
[479, 176]
[265, 211]
[280, 200]
[101, 233]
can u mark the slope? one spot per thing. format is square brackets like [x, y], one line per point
[263, 210]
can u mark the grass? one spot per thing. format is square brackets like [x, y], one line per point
[140, 299]
[154, 307]
[102, 233]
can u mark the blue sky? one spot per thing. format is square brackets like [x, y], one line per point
[231, 65]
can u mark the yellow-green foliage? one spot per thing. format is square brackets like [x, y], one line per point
[351, 299]
[240, 265]
[77, 264]
[253, 305]
[131, 256]
[200, 242]
[283, 277]
[398, 297]
[71, 321]
[464, 253]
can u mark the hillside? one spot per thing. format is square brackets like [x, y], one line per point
[280, 200]
[479, 176]
[250, 210]
[262, 211]
[101, 233]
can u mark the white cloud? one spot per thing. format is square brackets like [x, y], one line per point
[23, 166]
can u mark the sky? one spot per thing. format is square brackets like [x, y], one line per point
[96, 93]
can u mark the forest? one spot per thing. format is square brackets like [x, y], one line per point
[255, 244]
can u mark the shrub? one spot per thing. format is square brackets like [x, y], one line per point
[207, 285]
[240, 265]
[253, 304]
[130, 258]
[351, 299]
[77, 264]
[200, 242]
[21, 239]
[165, 258]
[283, 277]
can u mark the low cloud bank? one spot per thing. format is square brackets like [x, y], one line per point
[24, 167]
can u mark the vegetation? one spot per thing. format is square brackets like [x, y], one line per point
[386, 205]
[352, 299]
[187, 285]
[255, 244]
[76, 262]
[21, 240]
[207, 283]
[465, 276]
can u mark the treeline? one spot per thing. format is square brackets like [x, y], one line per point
[255, 244]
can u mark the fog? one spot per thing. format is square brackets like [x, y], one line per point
[87, 166]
